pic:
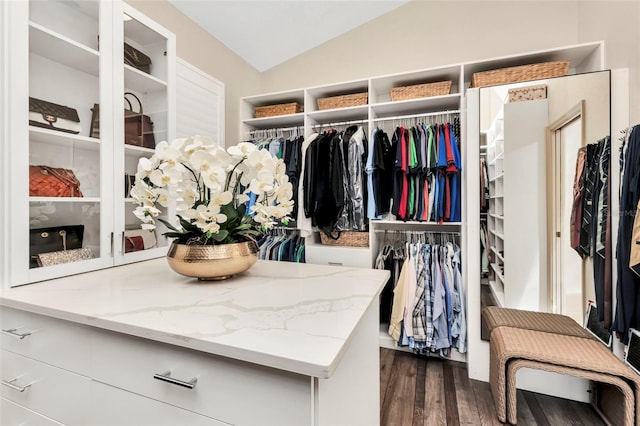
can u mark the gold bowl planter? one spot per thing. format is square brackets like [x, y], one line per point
[217, 262]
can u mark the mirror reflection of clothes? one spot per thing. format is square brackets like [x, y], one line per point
[627, 313]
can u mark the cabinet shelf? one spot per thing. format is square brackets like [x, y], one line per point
[497, 290]
[64, 199]
[40, 134]
[499, 274]
[497, 234]
[142, 81]
[434, 103]
[277, 121]
[497, 177]
[498, 255]
[340, 114]
[137, 149]
[496, 158]
[496, 197]
[61, 49]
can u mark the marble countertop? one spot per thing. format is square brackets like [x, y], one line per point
[295, 317]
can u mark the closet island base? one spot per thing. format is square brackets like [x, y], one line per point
[139, 344]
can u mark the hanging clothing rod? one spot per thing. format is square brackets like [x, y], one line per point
[341, 123]
[277, 129]
[400, 231]
[427, 114]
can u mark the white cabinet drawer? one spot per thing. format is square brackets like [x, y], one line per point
[228, 390]
[53, 392]
[117, 407]
[53, 341]
[357, 257]
[12, 414]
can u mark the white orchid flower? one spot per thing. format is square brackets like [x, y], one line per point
[242, 150]
[222, 198]
[214, 178]
[170, 176]
[203, 161]
[162, 196]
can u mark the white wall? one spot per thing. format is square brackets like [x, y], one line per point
[424, 34]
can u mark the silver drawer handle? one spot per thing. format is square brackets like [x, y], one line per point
[334, 263]
[13, 386]
[166, 377]
[13, 332]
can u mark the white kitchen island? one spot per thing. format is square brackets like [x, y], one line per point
[283, 343]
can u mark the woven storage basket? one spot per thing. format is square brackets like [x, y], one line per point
[520, 73]
[280, 109]
[347, 238]
[343, 101]
[421, 90]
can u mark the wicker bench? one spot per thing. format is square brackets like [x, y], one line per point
[574, 355]
[622, 386]
[530, 320]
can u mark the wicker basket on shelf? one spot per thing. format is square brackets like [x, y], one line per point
[421, 90]
[346, 238]
[343, 101]
[520, 73]
[280, 109]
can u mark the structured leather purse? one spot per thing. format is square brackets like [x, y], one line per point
[138, 239]
[45, 181]
[136, 58]
[53, 116]
[54, 239]
[138, 127]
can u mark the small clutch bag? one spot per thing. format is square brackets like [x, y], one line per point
[64, 256]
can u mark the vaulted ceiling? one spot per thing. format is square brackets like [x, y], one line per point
[266, 33]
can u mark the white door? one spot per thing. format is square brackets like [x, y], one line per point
[199, 103]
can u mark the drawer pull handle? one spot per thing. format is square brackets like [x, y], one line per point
[166, 377]
[13, 332]
[10, 384]
[334, 263]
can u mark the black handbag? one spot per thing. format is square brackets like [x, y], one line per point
[129, 182]
[135, 58]
[53, 116]
[57, 238]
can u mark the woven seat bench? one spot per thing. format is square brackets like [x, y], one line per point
[495, 316]
[620, 384]
[578, 355]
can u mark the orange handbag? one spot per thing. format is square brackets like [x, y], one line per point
[45, 181]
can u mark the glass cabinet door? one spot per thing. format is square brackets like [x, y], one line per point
[145, 62]
[69, 223]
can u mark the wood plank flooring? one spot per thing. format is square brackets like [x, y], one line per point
[415, 390]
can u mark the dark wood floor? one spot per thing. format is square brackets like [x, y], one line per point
[415, 390]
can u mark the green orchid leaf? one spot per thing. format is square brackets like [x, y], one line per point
[168, 225]
[220, 235]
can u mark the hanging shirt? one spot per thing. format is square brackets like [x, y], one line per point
[303, 222]
[459, 326]
[399, 303]
[371, 201]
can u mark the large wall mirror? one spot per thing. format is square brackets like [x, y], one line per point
[544, 232]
